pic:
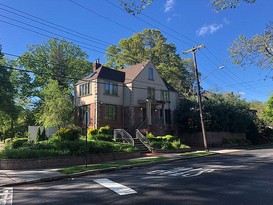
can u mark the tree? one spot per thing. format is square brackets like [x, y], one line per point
[222, 112]
[225, 4]
[56, 107]
[136, 6]
[6, 88]
[268, 112]
[259, 107]
[151, 45]
[57, 60]
[257, 50]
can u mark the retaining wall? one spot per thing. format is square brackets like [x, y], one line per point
[214, 139]
[56, 162]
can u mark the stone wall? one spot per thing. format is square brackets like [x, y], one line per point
[214, 139]
[56, 162]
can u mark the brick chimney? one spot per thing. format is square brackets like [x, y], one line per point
[96, 65]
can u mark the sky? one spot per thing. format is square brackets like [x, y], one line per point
[96, 24]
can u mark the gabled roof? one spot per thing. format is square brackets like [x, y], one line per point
[125, 75]
[133, 71]
[106, 73]
[110, 74]
[170, 88]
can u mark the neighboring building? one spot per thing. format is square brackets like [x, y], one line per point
[128, 98]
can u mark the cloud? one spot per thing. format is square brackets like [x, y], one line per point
[208, 29]
[226, 21]
[242, 93]
[169, 5]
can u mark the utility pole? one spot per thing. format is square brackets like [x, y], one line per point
[193, 50]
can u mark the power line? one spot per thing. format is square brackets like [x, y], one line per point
[57, 25]
[85, 8]
[33, 31]
[51, 32]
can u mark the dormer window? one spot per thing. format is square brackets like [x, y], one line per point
[151, 74]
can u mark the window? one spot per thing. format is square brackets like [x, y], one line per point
[85, 114]
[110, 112]
[151, 74]
[85, 89]
[110, 88]
[165, 95]
[151, 93]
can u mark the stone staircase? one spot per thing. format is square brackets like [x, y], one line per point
[141, 147]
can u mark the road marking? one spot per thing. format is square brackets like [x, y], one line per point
[116, 187]
[181, 171]
[6, 195]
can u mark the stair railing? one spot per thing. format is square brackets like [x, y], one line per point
[143, 139]
[122, 135]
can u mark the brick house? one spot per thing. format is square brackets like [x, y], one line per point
[127, 98]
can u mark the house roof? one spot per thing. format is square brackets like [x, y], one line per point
[125, 75]
[170, 88]
[110, 74]
[106, 73]
[133, 71]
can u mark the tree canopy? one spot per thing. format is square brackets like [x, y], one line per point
[268, 112]
[257, 50]
[136, 6]
[57, 107]
[152, 45]
[57, 60]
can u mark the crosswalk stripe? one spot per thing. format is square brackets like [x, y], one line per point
[116, 187]
[6, 196]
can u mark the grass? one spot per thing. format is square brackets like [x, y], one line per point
[77, 169]
[197, 154]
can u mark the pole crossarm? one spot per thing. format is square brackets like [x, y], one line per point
[193, 49]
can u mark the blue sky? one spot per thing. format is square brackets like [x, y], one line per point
[185, 23]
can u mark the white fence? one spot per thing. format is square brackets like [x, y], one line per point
[32, 130]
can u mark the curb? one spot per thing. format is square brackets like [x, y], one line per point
[97, 171]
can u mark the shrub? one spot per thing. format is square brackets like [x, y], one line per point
[25, 153]
[104, 130]
[92, 131]
[43, 134]
[166, 142]
[69, 133]
[156, 144]
[18, 142]
[102, 137]
[38, 135]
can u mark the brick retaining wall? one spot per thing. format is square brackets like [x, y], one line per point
[214, 139]
[56, 162]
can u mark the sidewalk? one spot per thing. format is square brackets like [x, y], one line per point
[19, 177]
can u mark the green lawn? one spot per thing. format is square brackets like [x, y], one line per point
[77, 169]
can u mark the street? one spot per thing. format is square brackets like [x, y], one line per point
[243, 177]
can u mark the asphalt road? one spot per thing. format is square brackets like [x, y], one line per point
[244, 177]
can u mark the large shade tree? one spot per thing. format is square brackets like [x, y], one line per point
[56, 65]
[152, 45]
[257, 50]
[57, 60]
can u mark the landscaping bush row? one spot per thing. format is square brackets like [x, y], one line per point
[167, 142]
[66, 142]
